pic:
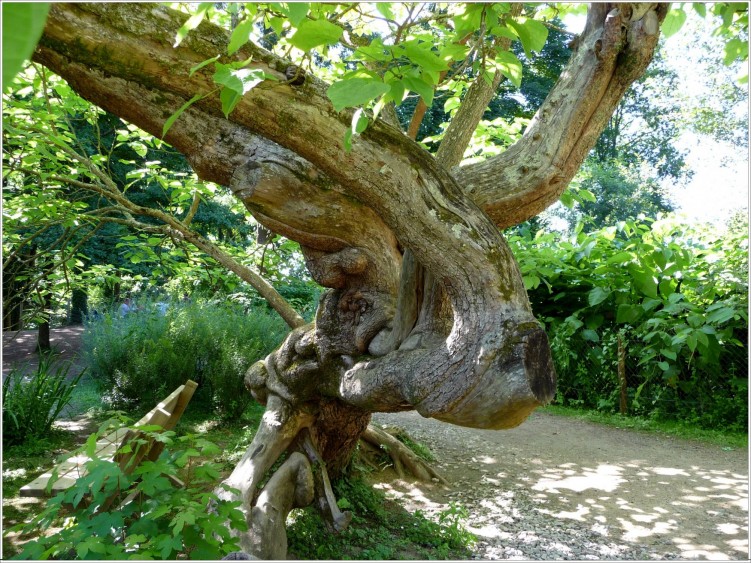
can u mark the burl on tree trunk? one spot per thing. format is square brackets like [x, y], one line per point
[426, 308]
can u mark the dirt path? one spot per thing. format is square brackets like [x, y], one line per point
[558, 488]
[19, 347]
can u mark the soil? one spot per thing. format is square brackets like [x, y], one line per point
[20, 348]
[560, 488]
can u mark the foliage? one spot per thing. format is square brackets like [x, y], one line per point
[676, 297]
[378, 530]
[152, 518]
[23, 23]
[139, 358]
[31, 403]
[606, 192]
[74, 234]
[419, 50]
[732, 26]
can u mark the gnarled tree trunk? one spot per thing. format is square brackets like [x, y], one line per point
[449, 332]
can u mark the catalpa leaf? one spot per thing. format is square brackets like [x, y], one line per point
[355, 91]
[314, 33]
[510, 67]
[297, 12]
[240, 36]
[193, 22]
[532, 34]
[23, 23]
[673, 22]
[418, 85]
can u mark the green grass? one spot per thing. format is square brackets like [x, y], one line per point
[725, 439]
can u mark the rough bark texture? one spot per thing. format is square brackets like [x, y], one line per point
[381, 341]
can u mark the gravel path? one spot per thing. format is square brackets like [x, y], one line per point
[558, 488]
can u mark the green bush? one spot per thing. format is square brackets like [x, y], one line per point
[31, 403]
[675, 295]
[143, 515]
[138, 359]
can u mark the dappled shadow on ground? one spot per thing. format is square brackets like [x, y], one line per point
[20, 347]
[595, 499]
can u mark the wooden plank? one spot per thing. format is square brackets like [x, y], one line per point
[73, 468]
[166, 414]
[182, 402]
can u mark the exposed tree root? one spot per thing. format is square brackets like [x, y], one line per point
[406, 462]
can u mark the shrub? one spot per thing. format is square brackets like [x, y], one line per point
[676, 297]
[31, 403]
[138, 359]
[143, 515]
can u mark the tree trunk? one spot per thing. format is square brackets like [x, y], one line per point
[43, 332]
[79, 307]
[452, 335]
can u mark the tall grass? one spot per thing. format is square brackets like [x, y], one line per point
[31, 403]
[138, 359]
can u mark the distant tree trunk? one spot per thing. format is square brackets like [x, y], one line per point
[43, 336]
[79, 306]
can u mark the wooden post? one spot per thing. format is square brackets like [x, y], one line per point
[622, 373]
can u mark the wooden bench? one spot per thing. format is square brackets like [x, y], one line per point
[166, 415]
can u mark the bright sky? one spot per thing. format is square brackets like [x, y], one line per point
[720, 185]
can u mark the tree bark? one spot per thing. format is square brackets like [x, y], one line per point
[379, 343]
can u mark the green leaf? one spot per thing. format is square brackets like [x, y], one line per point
[193, 22]
[673, 21]
[359, 122]
[700, 8]
[236, 83]
[355, 91]
[384, 8]
[531, 281]
[172, 118]
[627, 313]
[590, 335]
[453, 51]
[421, 55]
[735, 49]
[510, 67]
[721, 315]
[620, 258]
[314, 33]
[200, 65]
[567, 199]
[240, 80]
[240, 36]
[597, 296]
[669, 354]
[23, 23]
[532, 34]
[397, 91]
[644, 282]
[422, 88]
[297, 12]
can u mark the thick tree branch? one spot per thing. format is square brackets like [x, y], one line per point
[614, 50]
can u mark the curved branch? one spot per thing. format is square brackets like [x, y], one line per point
[614, 50]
